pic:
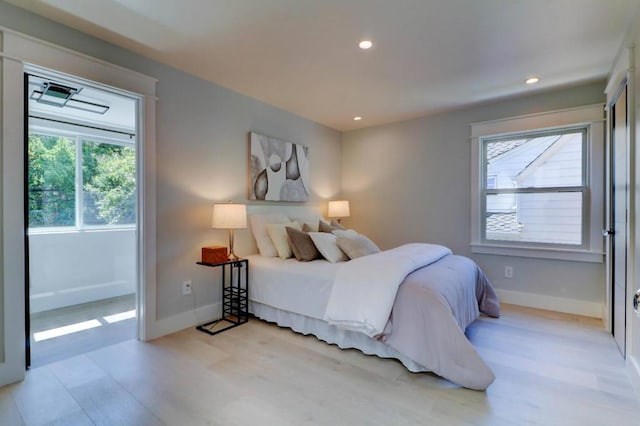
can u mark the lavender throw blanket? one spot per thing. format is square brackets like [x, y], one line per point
[365, 288]
[433, 307]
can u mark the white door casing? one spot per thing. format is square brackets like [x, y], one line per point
[17, 52]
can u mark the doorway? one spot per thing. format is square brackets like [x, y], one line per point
[619, 215]
[81, 216]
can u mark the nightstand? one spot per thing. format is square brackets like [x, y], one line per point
[235, 295]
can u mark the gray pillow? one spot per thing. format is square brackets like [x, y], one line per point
[356, 246]
[336, 225]
[325, 227]
[302, 245]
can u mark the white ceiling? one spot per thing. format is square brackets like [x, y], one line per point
[302, 55]
[121, 115]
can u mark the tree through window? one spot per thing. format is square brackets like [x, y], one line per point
[102, 189]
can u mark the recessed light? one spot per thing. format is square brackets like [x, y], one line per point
[532, 80]
[357, 118]
[365, 44]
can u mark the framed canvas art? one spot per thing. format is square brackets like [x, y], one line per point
[279, 169]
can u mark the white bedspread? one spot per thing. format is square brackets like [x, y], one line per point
[365, 288]
[299, 287]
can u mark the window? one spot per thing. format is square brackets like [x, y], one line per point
[537, 185]
[108, 184]
[52, 177]
[492, 181]
[78, 182]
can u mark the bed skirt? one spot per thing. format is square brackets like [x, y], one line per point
[344, 339]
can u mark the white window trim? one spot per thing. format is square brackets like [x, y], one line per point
[591, 116]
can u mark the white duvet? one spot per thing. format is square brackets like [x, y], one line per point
[365, 288]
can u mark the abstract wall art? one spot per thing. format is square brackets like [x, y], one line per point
[279, 169]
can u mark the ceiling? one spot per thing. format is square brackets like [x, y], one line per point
[120, 115]
[303, 56]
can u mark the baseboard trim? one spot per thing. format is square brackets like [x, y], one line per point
[71, 296]
[186, 319]
[633, 368]
[552, 303]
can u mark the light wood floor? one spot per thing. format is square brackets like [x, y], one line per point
[551, 369]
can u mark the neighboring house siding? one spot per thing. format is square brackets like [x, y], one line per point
[507, 165]
[561, 167]
[553, 217]
[542, 217]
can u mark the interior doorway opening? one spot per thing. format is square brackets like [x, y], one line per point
[81, 216]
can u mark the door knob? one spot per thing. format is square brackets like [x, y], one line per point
[607, 232]
[636, 302]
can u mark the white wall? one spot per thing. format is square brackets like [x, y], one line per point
[68, 268]
[393, 176]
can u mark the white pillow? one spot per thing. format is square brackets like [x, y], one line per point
[278, 234]
[259, 229]
[328, 247]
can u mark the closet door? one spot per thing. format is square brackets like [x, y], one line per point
[619, 214]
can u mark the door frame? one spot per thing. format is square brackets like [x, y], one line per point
[611, 101]
[17, 51]
[53, 75]
[619, 76]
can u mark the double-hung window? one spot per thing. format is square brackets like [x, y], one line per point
[537, 185]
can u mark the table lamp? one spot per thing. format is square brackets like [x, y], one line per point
[229, 216]
[338, 209]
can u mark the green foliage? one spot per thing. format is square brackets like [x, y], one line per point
[109, 180]
[51, 176]
[108, 187]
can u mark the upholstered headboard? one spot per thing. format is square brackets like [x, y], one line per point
[244, 242]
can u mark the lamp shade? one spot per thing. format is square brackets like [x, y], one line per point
[339, 208]
[229, 216]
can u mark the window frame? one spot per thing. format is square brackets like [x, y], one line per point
[78, 138]
[591, 119]
[583, 189]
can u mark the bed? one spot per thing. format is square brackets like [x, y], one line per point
[420, 321]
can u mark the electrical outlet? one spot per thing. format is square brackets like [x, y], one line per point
[186, 288]
[508, 271]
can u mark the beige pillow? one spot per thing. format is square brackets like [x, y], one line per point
[311, 219]
[259, 224]
[302, 245]
[278, 234]
[327, 246]
[355, 246]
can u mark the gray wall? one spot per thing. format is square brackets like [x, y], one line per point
[202, 148]
[410, 181]
[407, 181]
[2, 316]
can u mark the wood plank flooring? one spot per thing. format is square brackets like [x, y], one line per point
[551, 369]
